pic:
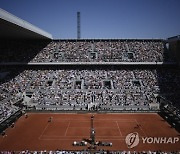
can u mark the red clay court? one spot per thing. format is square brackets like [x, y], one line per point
[36, 133]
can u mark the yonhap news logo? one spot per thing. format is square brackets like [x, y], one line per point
[133, 139]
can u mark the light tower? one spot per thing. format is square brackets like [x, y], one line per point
[78, 26]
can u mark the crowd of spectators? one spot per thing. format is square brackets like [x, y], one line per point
[89, 89]
[25, 49]
[102, 151]
[102, 51]
[6, 100]
[78, 88]
[6, 110]
[112, 90]
[85, 89]
[84, 51]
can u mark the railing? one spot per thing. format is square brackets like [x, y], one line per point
[93, 111]
[7, 122]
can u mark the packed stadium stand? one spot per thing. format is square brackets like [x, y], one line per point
[87, 88]
[86, 51]
[87, 152]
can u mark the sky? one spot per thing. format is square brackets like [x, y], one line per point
[100, 18]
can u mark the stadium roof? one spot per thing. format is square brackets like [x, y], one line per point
[13, 27]
[174, 38]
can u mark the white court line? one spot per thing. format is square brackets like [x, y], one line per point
[96, 127]
[118, 128]
[79, 127]
[82, 136]
[129, 120]
[67, 128]
[56, 136]
[43, 131]
[41, 136]
[141, 129]
[80, 139]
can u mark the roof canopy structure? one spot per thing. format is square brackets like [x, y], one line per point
[174, 38]
[13, 27]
